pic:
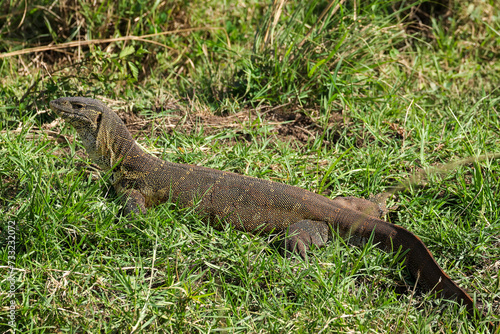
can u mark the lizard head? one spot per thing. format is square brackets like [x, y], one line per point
[83, 114]
[99, 128]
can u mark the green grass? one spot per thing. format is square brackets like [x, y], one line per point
[365, 100]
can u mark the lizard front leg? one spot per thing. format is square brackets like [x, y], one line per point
[133, 201]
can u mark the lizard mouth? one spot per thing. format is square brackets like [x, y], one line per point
[69, 111]
[61, 107]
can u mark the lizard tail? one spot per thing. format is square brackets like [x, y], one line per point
[359, 227]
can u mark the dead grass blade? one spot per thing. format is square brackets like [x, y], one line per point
[142, 38]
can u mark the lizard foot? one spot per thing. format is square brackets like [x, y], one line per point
[302, 234]
[133, 202]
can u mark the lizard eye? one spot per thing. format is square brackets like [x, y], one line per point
[77, 106]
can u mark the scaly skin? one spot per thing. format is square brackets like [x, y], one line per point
[246, 203]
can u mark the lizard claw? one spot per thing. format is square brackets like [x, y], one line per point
[302, 234]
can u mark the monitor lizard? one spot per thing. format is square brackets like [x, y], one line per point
[246, 203]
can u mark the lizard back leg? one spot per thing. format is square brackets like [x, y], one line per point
[374, 207]
[304, 233]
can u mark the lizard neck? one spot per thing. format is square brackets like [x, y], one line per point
[112, 144]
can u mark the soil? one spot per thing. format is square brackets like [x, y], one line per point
[291, 125]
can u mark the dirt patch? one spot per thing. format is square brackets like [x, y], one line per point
[296, 126]
[300, 126]
[397, 131]
[135, 123]
[419, 17]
